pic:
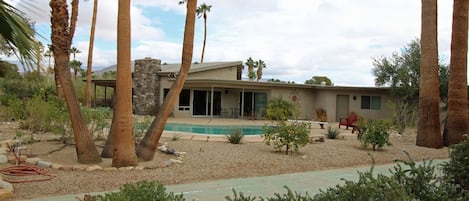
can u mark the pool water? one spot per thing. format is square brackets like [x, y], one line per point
[213, 130]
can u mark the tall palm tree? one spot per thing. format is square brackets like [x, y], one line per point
[251, 64]
[260, 67]
[147, 147]
[202, 10]
[17, 33]
[61, 37]
[124, 141]
[457, 121]
[75, 67]
[429, 133]
[89, 67]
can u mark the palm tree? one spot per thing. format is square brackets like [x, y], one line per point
[147, 147]
[61, 37]
[260, 66]
[74, 51]
[18, 33]
[429, 133]
[202, 11]
[251, 64]
[89, 67]
[48, 54]
[75, 67]
[457, 121]
[124, 141]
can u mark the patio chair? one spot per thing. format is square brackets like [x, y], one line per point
[350, 121]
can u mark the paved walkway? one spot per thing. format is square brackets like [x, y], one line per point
[309, 182]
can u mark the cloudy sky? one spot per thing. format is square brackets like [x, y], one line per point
[297, 39]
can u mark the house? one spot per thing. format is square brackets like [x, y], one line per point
[216, 90]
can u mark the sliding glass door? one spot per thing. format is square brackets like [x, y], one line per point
[202, 103]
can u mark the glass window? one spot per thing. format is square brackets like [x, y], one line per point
[371, 102]
[184, 97]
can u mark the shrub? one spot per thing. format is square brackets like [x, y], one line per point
[240, 197]
[332, 133]
[141, 126]
[140, 191]
[291, 135]
[456, 171]
[374, 133]
[235, 136]
[97, 119]
[321, 115]
[279, 109]
[175, 137]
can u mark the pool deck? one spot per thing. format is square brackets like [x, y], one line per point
[316, 130]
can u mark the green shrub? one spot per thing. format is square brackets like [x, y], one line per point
[279, 109]
[289, 135]
[141, 126]
[240, 197]
[140, 191]
[175, 137]
[456, 171]
[235, 136]
[97, 119]
[332, 133]
[374, 133]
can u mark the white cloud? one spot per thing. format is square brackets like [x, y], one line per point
[297, 39]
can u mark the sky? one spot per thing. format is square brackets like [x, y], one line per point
[297, 39]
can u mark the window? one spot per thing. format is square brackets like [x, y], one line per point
[184, 99]
[371, 102]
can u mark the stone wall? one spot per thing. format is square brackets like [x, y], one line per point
[146, 84]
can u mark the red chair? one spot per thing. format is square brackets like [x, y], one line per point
[350, 121]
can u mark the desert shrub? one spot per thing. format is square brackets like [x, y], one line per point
[321, 115]
[141, 126]
[45, 116]
[175, 137]
[240, 197]
[97, 119]
[140, 191]
[374, 133]
[332, 133]
[456, 170]
[279, 109]
[235, 136]
[292, 135]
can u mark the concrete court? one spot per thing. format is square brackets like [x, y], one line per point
[304, 182]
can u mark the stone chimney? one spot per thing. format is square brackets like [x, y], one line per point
[146, 86]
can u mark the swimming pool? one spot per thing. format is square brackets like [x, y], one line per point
[213, 129]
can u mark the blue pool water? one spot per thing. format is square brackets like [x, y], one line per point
[212, 129]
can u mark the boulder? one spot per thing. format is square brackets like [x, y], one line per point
[3, 159]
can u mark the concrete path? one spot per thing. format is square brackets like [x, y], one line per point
[266, 186]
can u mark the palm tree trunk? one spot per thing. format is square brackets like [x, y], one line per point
[61, 38]
[147, 147]
[429, 133]
[89, 67]
[124, 140]
[457, 123]
[205, 38]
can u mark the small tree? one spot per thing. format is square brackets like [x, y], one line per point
[279, 109]
[374, 133]
[292, 136]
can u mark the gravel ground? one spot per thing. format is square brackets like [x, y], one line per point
[207, 161]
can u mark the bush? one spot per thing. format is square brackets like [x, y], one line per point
[456, 171]
[374, 133]
[332, 133]
[279, 109]
[291, 136]
[140, 191]
[97, 119]
[235, 136]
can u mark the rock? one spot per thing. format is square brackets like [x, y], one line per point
[180, 153]
[126, 168]
[175, 160]
[6, 185]
[8, 143]
[163, 148]
[93, 168]
[33, 160]
[139, 168]
[66, 168]
[79, 167]
[44, 164]
[56, 166]
[169, 151]
[5, 193]
[3, 159]
[108, 169]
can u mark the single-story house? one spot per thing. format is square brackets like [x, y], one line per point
[216, 90]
